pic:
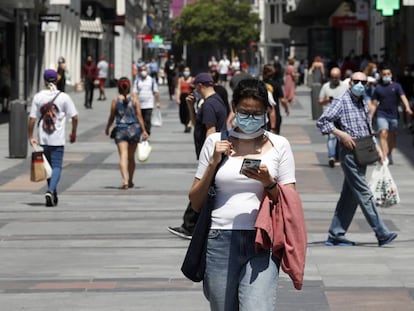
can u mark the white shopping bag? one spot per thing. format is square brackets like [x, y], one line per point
[46, 164]
[143, 151]
[156, 118]
[383, 186]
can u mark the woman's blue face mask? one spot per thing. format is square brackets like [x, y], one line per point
[250, 123]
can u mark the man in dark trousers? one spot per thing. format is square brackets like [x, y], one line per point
[210, 118]
[89, 75]
[170, 71]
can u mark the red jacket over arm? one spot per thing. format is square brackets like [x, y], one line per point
[281, 227]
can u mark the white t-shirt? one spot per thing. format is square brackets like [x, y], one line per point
[328, 91]
[102, 69]
[66, 108]
[145, 88]
[238, 197]
[223, 66]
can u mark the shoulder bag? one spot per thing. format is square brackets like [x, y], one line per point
[194, 263]
[365, 150]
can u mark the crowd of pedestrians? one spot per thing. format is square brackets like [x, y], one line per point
[355, 101]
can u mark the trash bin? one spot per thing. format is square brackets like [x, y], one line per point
[18, 129]
[316, 107]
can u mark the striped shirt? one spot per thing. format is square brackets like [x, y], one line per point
[347, 113]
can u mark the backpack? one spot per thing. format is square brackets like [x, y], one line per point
[48, 113]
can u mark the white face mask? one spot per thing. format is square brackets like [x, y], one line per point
[144, 73]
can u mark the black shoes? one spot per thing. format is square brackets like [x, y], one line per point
[180, 232]
[331, 162]
[338, 241]
[384, 241]
[51, 199]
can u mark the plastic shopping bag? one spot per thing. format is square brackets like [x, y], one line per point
[143, 151]
[156, 118]
[383, 186]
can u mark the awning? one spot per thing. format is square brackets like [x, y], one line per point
[91, 28]
[310, 11]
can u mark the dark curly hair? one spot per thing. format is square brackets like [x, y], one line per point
[251, 88]
[124, 85]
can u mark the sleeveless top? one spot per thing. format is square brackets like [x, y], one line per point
[185, 86]
[125, 112]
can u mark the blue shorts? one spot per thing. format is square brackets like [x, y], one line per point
[387, 124]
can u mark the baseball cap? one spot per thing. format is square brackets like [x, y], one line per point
[50, 75]
[203, 78]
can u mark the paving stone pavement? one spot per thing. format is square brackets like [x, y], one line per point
[108, 249]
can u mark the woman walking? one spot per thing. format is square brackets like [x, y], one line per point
[129, 127]
[238, 276]
[183, 90]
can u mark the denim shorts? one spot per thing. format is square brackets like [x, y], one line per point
[387, 124]
[236, 275]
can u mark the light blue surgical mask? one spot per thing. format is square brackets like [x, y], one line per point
[186, 74]
[249, 123]
[358, 89]
[387, 79]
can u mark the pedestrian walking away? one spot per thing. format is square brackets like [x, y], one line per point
[128, 130]
[347, 118]
[239, 275]
[89, 75]
[146, 89]
[385, 100]
[103, 68]
[210, 117]
[51, 108]
[184, 88]
[331, 89]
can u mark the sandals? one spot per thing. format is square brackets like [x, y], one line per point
[126, 186]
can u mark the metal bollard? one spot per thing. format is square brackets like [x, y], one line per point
[18, 129]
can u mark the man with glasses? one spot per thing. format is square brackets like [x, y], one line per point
[347, 118]
[210, 118]
[331, 89]
[386, 97]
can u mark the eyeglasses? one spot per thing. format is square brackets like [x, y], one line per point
[256, 116]
[364, 82]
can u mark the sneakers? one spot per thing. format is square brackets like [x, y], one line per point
[49, 199]
[338, 241]
[391, 237]
[55, 198]
[331, 162]
[180, 232]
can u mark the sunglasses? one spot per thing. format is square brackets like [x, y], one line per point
[364, 82]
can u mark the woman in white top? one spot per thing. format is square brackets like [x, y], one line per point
[236, 276]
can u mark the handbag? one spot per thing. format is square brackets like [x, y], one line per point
[156, 118]
[383, 186]
[365, 150]
[113, 132]
[194, 263]
[143, 151]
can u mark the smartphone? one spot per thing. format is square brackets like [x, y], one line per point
[250, 163]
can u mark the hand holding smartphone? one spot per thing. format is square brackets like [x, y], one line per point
[250, 163]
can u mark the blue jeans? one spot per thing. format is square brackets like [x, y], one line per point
[236, 277]
[355, 190]
[54, 154]
[332, 142]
